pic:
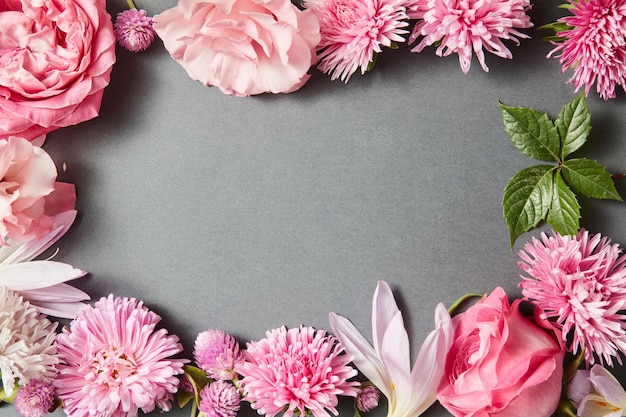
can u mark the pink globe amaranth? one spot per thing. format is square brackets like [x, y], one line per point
[55, 60]
[501, 364]
[244, 47]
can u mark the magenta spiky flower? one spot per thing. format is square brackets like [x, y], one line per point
[35, 399]
[216, 352]
[134, 30]
[594, 45]
[367, 399]
[220, 399]
[579, 282]
[354, 30]
[298, 371]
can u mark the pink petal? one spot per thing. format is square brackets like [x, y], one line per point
[37, 274]
[396, 358]
[609, 387]
[579, 386]
[57, 293]
[384, 308]
[63, 310]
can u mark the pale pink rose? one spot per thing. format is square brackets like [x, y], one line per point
[244, 47]
[56, 57]
[29, 192]
[501, 364]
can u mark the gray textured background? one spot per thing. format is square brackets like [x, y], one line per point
[248, 214]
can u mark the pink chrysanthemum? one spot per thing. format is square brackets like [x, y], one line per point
[114, 362]
[35, 399]
[220, 399]
[367, 399]
[594, 45]
[216, 352]
[297, 371]
[579, 282]
[353, 30]
[463, 26]
[134, 30]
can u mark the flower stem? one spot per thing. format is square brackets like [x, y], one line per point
[131, 4]
[618, 176]
[461, 300]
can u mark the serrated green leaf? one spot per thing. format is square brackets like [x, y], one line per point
[574, 125]
[564, 213]
[527, 199]
[589, 178]
[532, 133]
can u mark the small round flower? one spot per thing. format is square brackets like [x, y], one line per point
[216, 353]
[185, 385]
[134, 30]
[114, 362]
[27, 349]
[367, 398]
[352, 31]
[579, 282]
[35, 399]
[463, 26]
[296, 371]
[220, 399]
[594, 45]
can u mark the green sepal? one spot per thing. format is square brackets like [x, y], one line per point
[5, 398]
[457, 303]
[527, 199]
[571, 365]
[371, 64]
[590, 179]
[556, 26]
[198, 379]
[394, 45]
[564, 213]
[566, 6]
[532, 133]
[573, 125]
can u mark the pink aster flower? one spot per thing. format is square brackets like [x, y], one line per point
[463, 26]
[353, 30]
[114, 362]
[296, 371]
[579, 282]
[134, 30]
[594, 45]
[35, 399]
[220, 399]
[216, 353]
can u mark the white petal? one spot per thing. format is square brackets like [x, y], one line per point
[64, 310]
[37, 274]
[596, 406]
[396, 357]
[608, 386]
[57, 293]
[384, 308]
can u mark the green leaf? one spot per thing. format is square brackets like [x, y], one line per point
[183, 397]
[589, 178]
[532, 133]
[527, 199]
[573, 125]
[564, 211]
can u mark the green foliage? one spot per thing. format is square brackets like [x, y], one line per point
[544, 192]
[198, 379]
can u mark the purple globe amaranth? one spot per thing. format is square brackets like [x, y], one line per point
[134, 30]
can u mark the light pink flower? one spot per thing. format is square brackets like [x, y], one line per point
[388, 363]
[594, 45]
[115, 362]
[501, 363]
[354, 30]
[580, 282]
[244, 47]
[216, 352]
[134, 30]
[463, 26]
[27, 180]
[296, 371]
[56, 58]
[219, 399]
[35, 399]
[597, 393]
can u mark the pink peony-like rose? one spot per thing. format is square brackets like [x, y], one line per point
[244, 47]
[29, 192]
[56, 57]
[501, 364]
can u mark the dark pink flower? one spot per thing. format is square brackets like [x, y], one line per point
[219, 399]
[594, 45]
[297, 371]
[35, 399]
[580, 282]
[353, 30]
[367, 399]
[134, 30]
[463, 26]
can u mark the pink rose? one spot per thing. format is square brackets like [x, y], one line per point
[29, 193]
[501, 364]
[244, 47]
[55, 60]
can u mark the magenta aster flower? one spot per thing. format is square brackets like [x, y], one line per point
[463, 26]
[114, 362]
[134, 30]
[299, 371]
[220, 399]
[353, 30]
[594, 45]
[579, 282]
[35, 399]
[216, 353]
